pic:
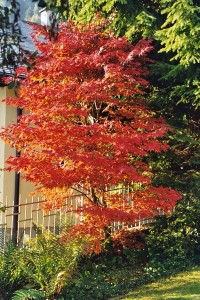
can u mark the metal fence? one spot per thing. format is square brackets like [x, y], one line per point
[31, 215]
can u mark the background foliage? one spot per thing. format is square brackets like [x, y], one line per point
[173, 242]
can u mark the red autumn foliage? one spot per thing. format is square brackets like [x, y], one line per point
[88, 128]
[129, 239]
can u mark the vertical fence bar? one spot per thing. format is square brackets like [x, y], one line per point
[48, 221]
[6, 224]
[31, 217]
[24, 221]
[60, 220]
[37, 212]
[3, 228]
[43, 223]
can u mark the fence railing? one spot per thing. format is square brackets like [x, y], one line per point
[30, 214]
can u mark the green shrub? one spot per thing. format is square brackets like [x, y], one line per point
[174, 241]
[48, 264]
[28, 295]
[112, 272]
[11, 277]
[106, 275]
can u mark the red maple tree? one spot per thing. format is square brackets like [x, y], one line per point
[88, 128]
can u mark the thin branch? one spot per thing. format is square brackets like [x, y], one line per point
[84, 194]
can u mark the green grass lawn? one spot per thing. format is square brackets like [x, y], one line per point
[185, 285]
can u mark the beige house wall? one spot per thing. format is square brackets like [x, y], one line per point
[8, 115]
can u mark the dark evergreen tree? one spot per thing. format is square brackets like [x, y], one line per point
[10, 36]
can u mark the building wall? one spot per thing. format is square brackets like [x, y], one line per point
[8, 114]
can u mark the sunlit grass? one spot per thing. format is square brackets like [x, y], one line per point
[184, 286]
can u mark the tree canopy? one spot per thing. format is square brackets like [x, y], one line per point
[88, 128]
